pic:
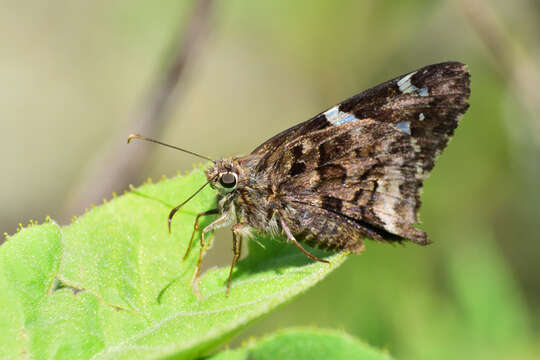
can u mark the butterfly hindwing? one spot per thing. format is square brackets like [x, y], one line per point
[369, 177]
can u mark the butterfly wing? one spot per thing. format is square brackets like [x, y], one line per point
[358, 167]
[434, 92]
[368, 173]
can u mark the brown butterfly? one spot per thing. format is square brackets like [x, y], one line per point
[354, 171]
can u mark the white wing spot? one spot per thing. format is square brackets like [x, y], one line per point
[404, 126]
[332, 114]
[345, 118]
[421, 117]
[336, 117]
[405, 85]
[423, 92]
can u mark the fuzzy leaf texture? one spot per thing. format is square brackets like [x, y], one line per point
[112, 285]
[305, 344]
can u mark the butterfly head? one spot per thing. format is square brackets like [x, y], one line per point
[224, 176]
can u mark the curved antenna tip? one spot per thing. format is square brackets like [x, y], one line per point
[133, 136]
[173, 211]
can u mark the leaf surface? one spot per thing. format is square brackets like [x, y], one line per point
[308, 344]
[113, 284]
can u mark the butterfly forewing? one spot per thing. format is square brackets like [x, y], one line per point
[356, 169]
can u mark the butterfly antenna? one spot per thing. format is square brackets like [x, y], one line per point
[140, 137]
[173, 211]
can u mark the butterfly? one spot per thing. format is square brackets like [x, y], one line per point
[351, 172]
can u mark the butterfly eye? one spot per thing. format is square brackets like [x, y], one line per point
[228, 180]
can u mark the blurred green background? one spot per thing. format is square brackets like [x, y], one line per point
[73, 73]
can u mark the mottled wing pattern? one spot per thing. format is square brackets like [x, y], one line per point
[268, 149]
[356, 169]
[426, 104]
[366, 172]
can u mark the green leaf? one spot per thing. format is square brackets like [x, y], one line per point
[309, 344]
[113, 284]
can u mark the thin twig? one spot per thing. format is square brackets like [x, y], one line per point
[118, 166]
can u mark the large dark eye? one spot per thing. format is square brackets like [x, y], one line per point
[228, 180]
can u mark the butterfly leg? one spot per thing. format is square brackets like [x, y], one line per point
[238, 231]
[291, 238]
[221, 221]
[196, 227]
